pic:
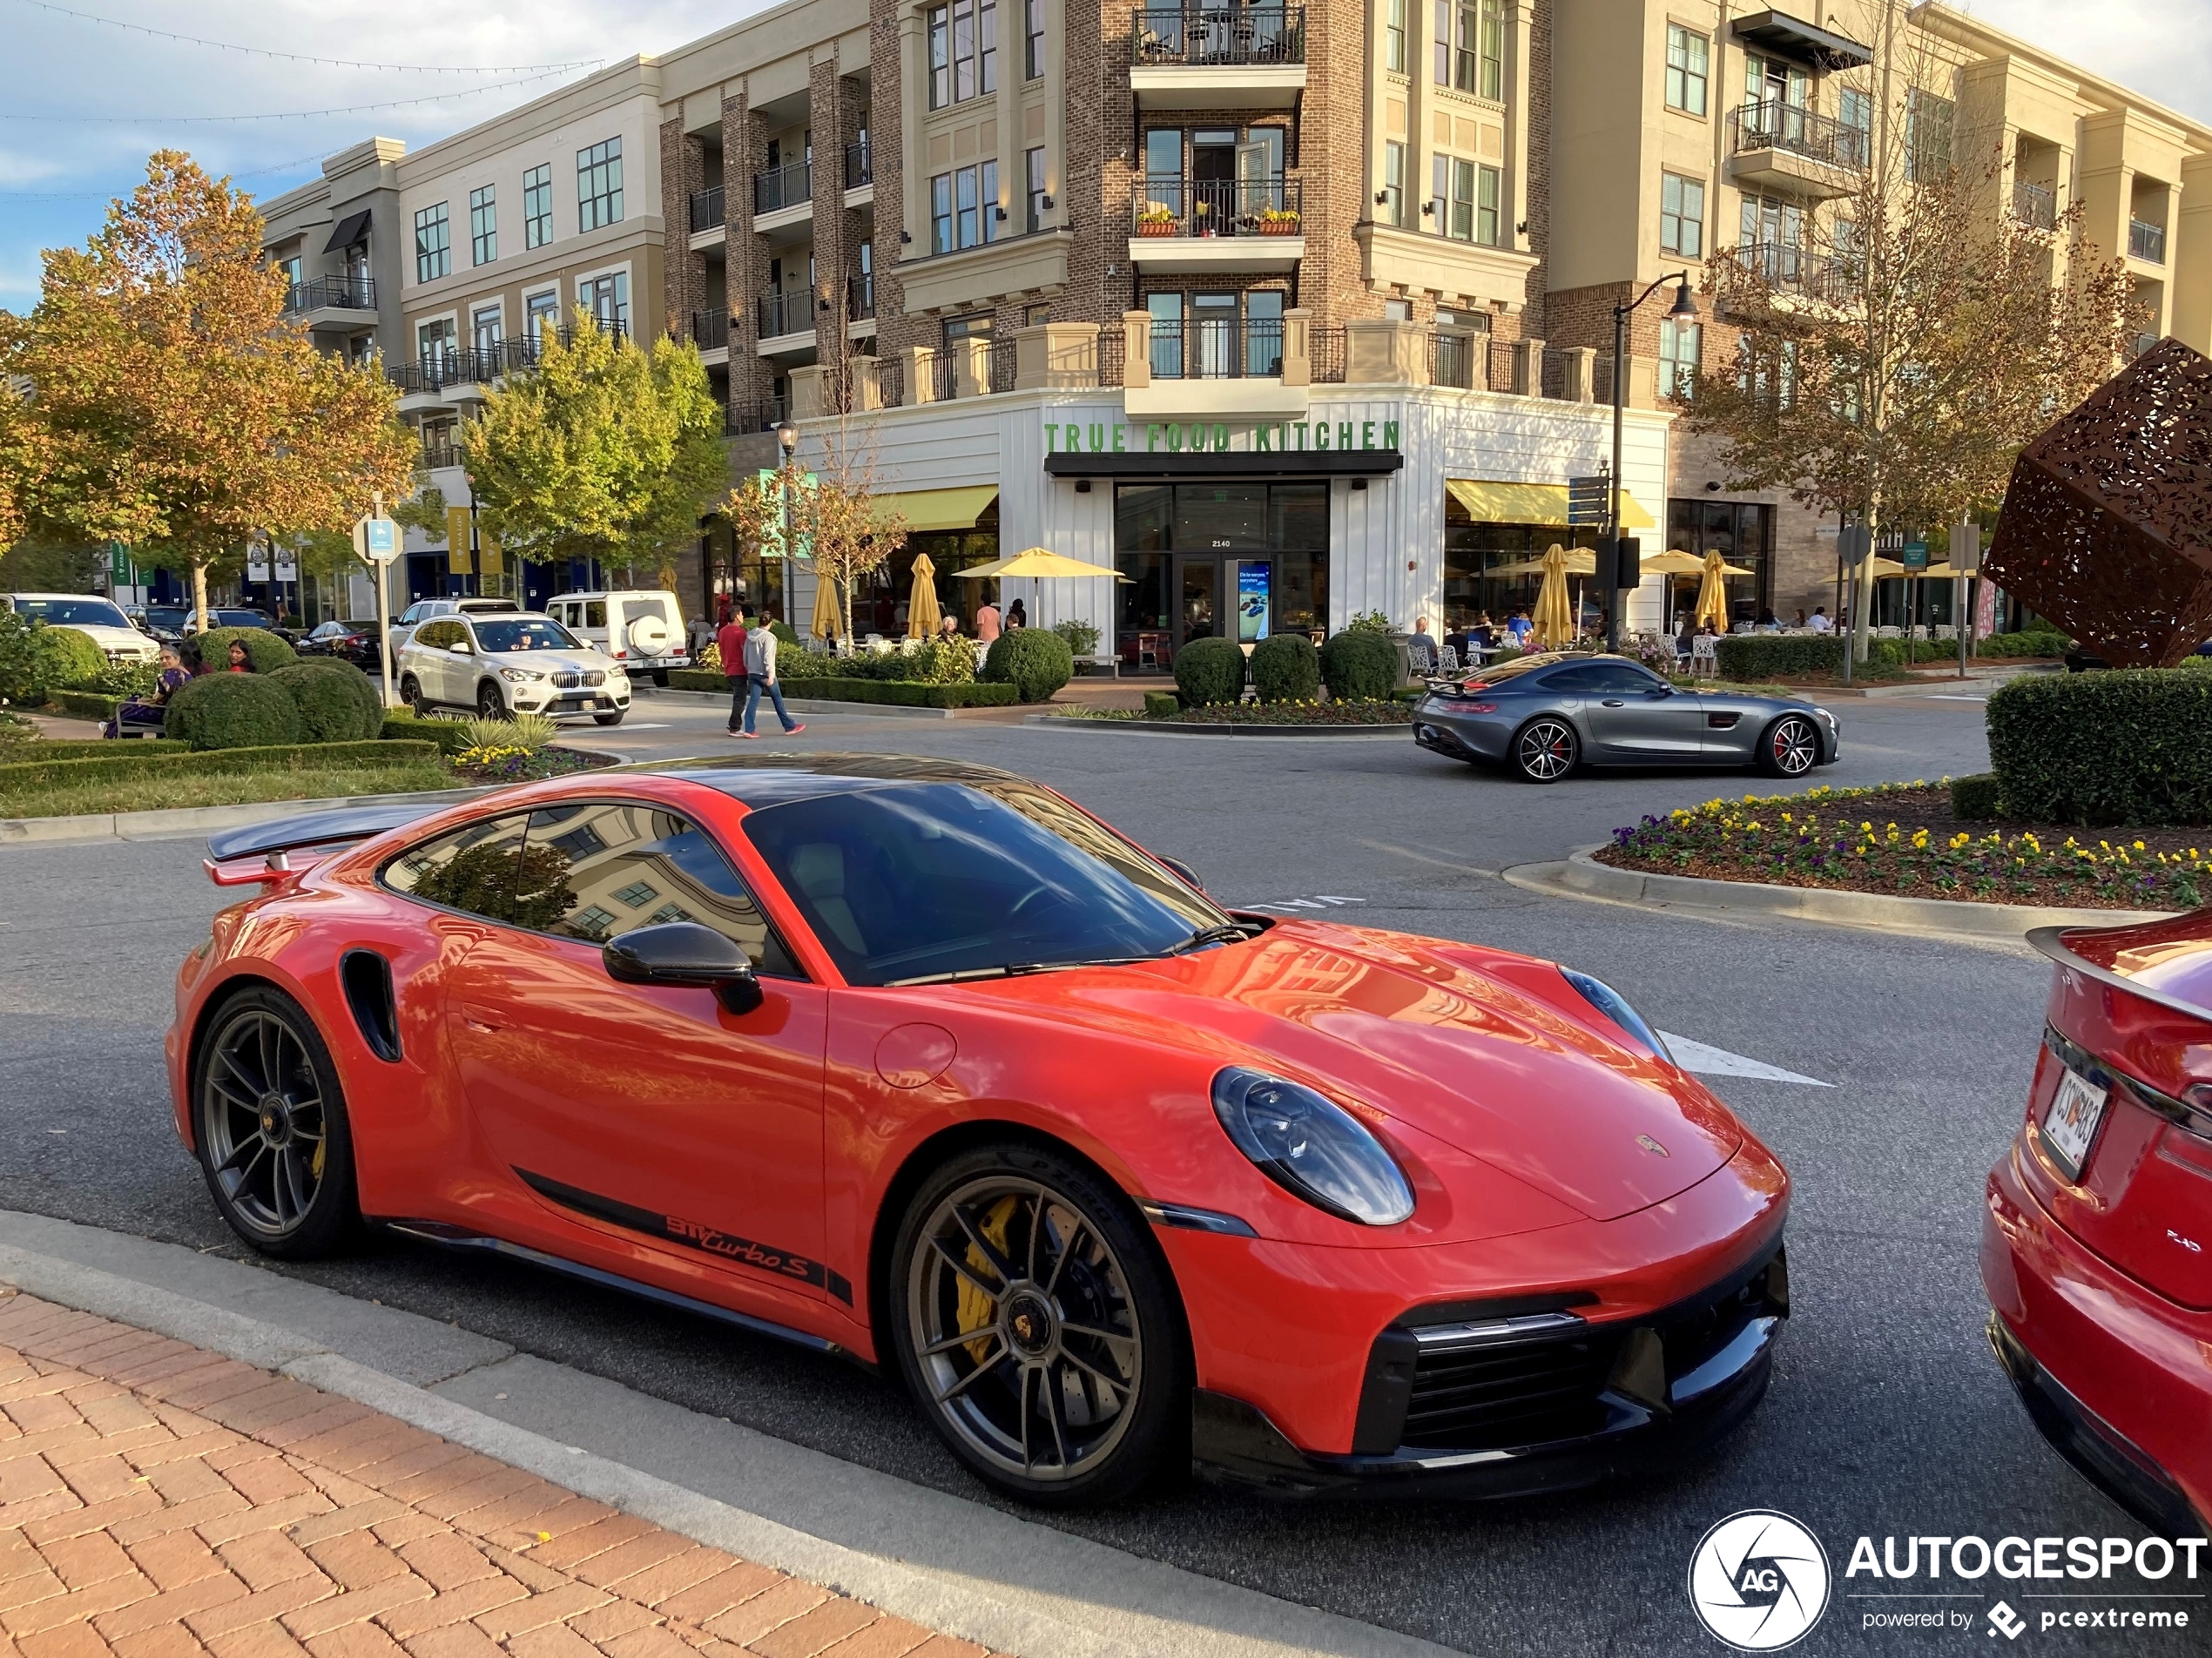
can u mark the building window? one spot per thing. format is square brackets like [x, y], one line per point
[964, 207]
[1471, 46]
[1033, 161]
[1678, 346]
[483, 227]
[541, 312]
[434, 341]
[1492, 49]
[963, 51]
[290, 267]
[1686, 68]
[1927, 136]
[1038, 315]
[1394, 204]
[1855, 115]
[537, 206]
[1394, 37]
[598, 186]
[1033, 38]
[941, 213]
[1464, 199]
[485, 327]
[433, 244]
[975, 326]
[607, 298]
[1681, 215]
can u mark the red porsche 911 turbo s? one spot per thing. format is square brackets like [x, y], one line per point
[920, 1063]
[2098, 1218]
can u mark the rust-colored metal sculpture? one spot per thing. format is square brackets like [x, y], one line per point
[2106, 528]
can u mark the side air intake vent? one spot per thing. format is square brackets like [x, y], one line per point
[368, 978]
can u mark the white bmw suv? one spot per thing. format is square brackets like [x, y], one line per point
[510, 663]
[100, 620]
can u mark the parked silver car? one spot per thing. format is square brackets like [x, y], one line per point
[1547, 714]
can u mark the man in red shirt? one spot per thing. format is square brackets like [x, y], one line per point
[730, 641]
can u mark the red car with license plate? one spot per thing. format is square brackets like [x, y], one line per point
[920, 1063]
[2096, 1248]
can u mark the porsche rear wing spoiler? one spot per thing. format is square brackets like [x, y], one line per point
[260, 853]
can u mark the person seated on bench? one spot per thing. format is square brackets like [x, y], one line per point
[148, 709]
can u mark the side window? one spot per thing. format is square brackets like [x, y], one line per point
[591, 871]
[1573, 682]
[410, 616]
[1614, 677]
[426, 634]
[474, 869]
[595, 613]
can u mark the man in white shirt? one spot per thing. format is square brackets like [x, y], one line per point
[1819, 623]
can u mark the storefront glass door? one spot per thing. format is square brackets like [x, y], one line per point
[1221, 559]
[1199, 583]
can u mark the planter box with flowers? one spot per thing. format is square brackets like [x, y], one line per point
[1156, 218]
[1279, 221]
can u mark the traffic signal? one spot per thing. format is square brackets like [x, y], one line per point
[1619, 563]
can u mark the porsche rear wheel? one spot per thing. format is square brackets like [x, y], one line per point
[1037, 1328]
[274, 1142]
[1790, 747]
[1545, 749]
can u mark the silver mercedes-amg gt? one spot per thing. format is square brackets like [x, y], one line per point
[1545, 714]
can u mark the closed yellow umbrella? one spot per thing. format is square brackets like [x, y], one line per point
[1554, 621]
[1712, 595]
[829, 617]
[921, 604]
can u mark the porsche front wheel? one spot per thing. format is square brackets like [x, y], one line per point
[274, 1142]
[1037, 1328]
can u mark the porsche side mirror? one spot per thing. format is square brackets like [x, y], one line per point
[1184, 869]
[686, 954]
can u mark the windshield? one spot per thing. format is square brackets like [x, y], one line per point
[923, 880]
[238, 619]
[528, 633]
[73, 613]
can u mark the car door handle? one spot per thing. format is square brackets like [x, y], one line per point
[1615, 702]
[479, 1018]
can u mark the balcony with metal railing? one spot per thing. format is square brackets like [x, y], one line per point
[331, 293]
[784, 312]
[706, 209]
[472, 367]
[1218, 349]
[1222, 54]
[710, 330]
[763, 415]
[1764, 276]
[859, 166]
[1461, 359]
[775, 189]
[2145, 241]
[2034, 205]
[438, 451]
[859, 298]
[1180, 224]
[1782, 146]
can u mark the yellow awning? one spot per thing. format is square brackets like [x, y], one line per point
[925, 510]
[1491, 502]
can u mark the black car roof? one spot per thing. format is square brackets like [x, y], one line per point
[770, 779]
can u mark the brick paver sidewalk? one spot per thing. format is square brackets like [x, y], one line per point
[160, 1501]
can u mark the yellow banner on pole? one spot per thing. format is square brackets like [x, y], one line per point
[490, 559]
[457, 523]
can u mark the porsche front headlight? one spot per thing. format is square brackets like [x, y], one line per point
[1615, 1006]
[1311, 1146]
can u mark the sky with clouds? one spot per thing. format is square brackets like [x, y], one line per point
[56, 176]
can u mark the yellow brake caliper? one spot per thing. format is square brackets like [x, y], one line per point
[976, 1308]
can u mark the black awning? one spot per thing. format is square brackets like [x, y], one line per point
[1784, 36]
[352, 228]
[1226, 464]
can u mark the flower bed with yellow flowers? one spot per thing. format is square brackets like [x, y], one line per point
[1903, 839]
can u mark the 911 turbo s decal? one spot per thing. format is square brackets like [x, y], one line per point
[709, 1240]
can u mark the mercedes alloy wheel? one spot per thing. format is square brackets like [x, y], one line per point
[1036, 1327]
[1791, 748]
[1546, 748]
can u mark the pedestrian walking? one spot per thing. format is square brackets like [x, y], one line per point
[761, 675]
[986, 623]
[730, 641]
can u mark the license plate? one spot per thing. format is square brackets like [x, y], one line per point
[2071, 1123]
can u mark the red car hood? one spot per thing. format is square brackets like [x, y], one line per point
[1495, 1054]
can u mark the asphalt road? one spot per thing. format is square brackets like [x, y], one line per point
[1887, 1416]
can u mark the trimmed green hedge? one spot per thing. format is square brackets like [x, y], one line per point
[1752, 658]
[233, 711]
[1208, 672]
[70, 748]
[336, 701]
[451, 736]
[264, 649]
[84, 704]
[125, 761]
[75, 658]
[1360, 665]
[899, 693]
[1286, 668]
[35, 659]
[1035, 661]
[2040, 642]
[1979, 798]
[2133, 746]
[1162, 705]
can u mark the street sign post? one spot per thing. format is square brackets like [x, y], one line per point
[376, 538]
[1965, 563]
[1590, 501]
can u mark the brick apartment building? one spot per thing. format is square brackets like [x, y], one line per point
[1283, 311]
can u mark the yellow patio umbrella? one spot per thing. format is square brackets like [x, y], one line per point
[829, 617]
[1712, 595]
[1674, 562]
[1038, 564]
[1555, 623]
[1581, 561]
[921, 604]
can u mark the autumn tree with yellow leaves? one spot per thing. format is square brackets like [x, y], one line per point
[162, 400]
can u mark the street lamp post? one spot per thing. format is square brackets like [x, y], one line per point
[1685, 305]
[787, 446]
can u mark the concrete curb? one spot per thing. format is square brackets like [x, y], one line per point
[1583, 876]
[979, 1573]
[1142, 728]
[181, 821]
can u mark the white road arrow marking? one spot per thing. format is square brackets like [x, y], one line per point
[1708, 1060]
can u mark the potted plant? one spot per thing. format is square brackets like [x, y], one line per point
[1156, 218]
[1279, 221]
